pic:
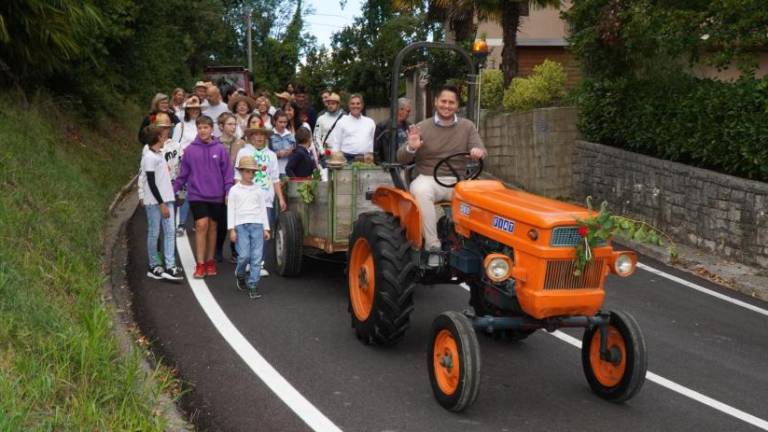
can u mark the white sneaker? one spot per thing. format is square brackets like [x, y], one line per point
[264, 272]
[433, 260]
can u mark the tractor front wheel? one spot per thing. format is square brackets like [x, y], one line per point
[453, 360]
[618, 376]
[381, 279]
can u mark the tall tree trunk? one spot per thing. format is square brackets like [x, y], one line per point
[510, 21]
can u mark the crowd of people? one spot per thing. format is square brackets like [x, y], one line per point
[223, 156]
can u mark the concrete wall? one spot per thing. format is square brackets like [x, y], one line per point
[715, 212]
[532, 150]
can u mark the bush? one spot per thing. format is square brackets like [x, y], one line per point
[702, 122]
[492, 89]
[543, 88]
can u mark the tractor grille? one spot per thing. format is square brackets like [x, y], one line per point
[566, 237]
[560, 275]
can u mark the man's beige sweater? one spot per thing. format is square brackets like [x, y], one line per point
[439, 142]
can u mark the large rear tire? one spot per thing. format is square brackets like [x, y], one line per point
[620, 378]
[289, 243]
[453, 360]
[380, 277]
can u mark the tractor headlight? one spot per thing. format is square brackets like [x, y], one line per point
[497, 267]
[624, 265]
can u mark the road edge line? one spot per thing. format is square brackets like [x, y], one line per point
[283, 389]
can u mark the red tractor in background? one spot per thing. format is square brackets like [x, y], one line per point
[229, 77]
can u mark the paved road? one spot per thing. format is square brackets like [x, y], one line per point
[301, 327]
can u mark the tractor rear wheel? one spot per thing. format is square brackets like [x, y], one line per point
[620, 377]
[453, 360]
[381, 279]
[289, 242]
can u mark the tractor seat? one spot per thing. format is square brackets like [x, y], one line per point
[492, 196]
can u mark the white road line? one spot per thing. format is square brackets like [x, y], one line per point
[271, 377]
[675, 387]
[700, 288]
[685, 391]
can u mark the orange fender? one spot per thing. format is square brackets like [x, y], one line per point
[403, 206]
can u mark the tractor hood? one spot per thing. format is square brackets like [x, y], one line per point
[492, 196]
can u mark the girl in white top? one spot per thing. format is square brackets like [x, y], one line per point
[186, 130]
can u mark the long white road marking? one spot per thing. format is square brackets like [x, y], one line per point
[271, 377]
[700, 288]
[685, 391]
[675, 387]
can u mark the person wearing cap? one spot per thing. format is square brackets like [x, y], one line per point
[207, 172]
[248, 225]
[267, 176]
[354, 133]
[160, 103]
[327, 121]
[201, 91]
[158, 200]
[241, 106]
[215, 108]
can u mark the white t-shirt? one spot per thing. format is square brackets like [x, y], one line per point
[214, 111]
[268, 173]
[184, 133]
[153, 161]
[171, 153]
[353, 135]
[246, 205]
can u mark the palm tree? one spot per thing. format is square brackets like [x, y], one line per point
[460, 16]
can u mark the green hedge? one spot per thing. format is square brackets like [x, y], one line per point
[717, 125]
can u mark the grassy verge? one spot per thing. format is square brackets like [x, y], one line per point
[60, 367]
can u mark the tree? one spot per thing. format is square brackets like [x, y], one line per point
[506, 12]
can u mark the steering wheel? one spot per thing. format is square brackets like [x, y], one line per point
[471, 172]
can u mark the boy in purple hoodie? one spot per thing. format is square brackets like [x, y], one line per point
[207, 172]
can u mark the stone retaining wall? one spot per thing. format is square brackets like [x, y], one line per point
[716, 212]
[532, 150]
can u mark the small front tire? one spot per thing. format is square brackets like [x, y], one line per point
[453, 361]
[620, 378]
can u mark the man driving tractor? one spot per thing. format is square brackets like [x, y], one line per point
[430, 141]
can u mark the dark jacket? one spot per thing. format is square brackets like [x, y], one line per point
[381, 139]
[300, 164]
[146, 121]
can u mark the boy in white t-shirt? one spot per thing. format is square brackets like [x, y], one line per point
[248, 225]
[158, 203]
[267, 176]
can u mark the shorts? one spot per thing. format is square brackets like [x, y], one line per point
[204, 209]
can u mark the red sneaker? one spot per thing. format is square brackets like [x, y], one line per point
[199, 271]
[210, 268]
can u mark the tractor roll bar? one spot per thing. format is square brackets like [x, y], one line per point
[392, 165]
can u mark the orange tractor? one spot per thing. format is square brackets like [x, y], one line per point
[516, 253]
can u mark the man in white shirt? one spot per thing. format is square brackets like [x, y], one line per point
[215, 108]
[353, 134]
[327, 121]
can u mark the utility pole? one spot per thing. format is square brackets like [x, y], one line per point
[250, 39]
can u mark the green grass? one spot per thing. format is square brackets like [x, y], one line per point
[60, 367]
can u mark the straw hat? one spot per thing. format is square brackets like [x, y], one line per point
[333, 97]
[337, 160]
[284, 95]
[250, 131]
[247, 162]
[234, 99]
[162, 120]
[192, 102]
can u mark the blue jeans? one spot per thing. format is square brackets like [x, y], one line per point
[250, 245]
[154, 220]
[184, 213]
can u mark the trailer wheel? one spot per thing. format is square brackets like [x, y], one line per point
[617, 379]
[453, 360]
[380, 275]
[289, 242]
